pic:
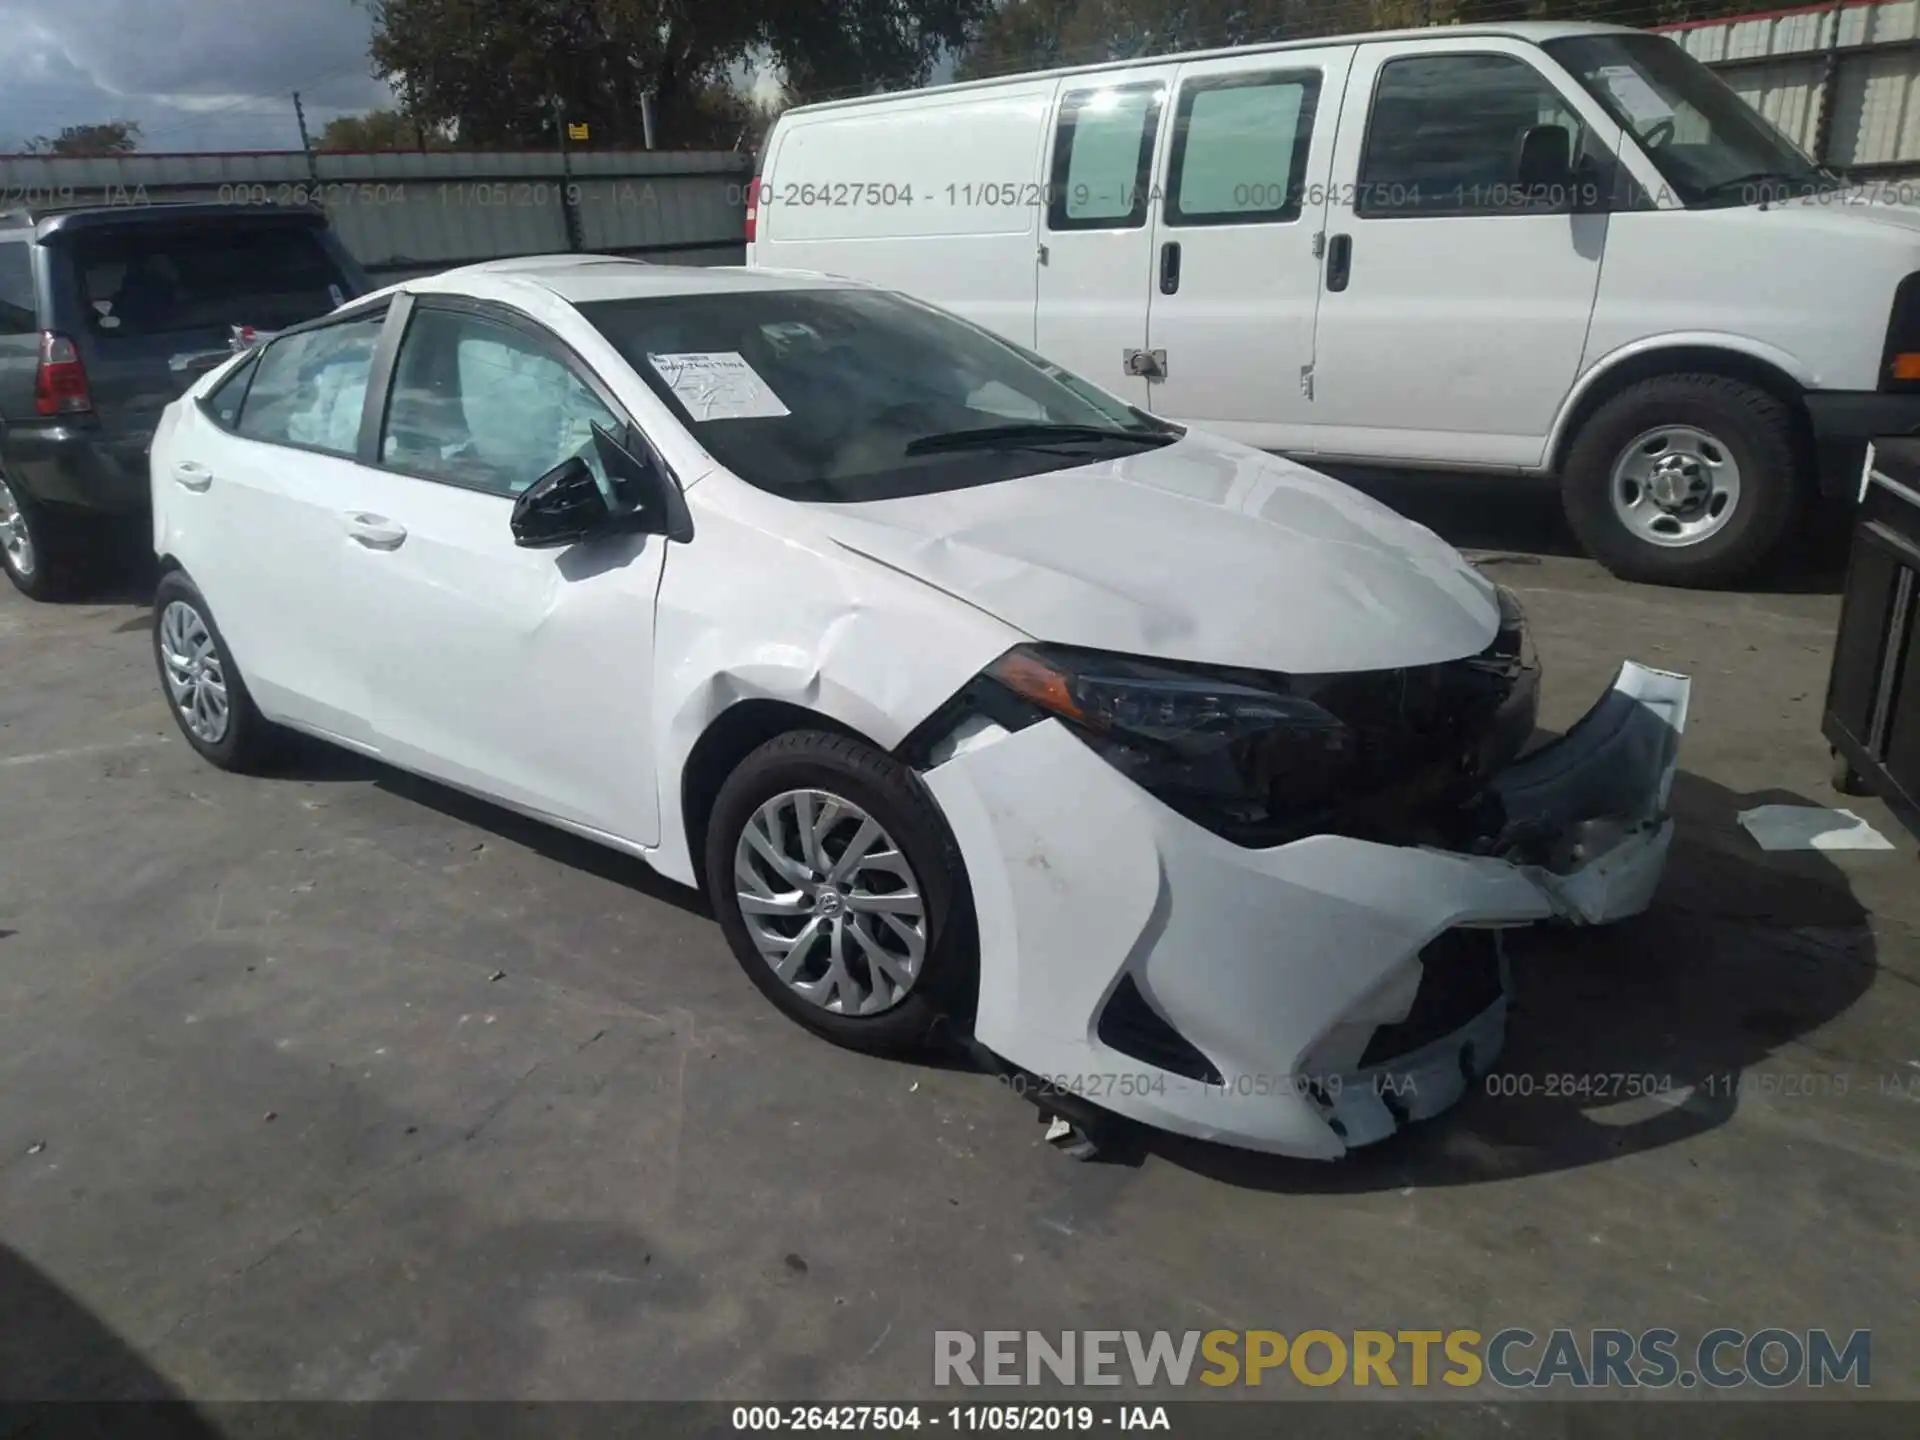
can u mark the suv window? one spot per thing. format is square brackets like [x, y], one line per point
[1445, 133]
[19, 315]
[309, 388]
[484, 404]
[1103, 158]
[1240, 148]
[161, 279]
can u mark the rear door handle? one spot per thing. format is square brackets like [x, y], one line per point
[1170, 267]
[190, 475]
[376, 532]
[1339, 261]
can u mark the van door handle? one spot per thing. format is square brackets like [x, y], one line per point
[191, 475]
[1339, 261]
[1170, 267]
[376, 532]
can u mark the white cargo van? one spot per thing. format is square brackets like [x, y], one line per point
[1563, 250]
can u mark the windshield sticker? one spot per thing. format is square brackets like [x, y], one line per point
[718, 385]
[1634, 95]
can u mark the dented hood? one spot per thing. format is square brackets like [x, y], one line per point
[1204, 551]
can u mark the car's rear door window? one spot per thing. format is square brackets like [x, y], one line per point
[309, 389]
[141, 280]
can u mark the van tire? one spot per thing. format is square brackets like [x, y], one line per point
[942, 997]
[1759, 433]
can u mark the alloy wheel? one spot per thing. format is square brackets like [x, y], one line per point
[16, 540]
[196, 679]
[1675, 486]
[830, 902]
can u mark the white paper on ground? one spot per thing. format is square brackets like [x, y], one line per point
[1811, 827]
[1639, 99]
[718, 385]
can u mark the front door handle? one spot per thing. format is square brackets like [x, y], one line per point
[191, 475]
[1170, 267]
[1339, 261]
[376, 532]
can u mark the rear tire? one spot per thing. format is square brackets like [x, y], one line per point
[845, 981]
[40, 550]
[1702, 430]
[196, 666]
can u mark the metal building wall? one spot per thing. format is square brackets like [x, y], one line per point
[408, 213]
[1841, 79]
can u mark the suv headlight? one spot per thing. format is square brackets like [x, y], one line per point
[1213, 746]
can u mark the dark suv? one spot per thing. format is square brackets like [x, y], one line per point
[106, 315]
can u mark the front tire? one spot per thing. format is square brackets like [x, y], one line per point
[1690, 480]
[842, 893]
[203, 687]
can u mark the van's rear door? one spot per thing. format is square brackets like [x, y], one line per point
[153, 303]
[1238, 237]
[1097, 230]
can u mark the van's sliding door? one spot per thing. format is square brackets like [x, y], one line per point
[1239, 215]
[1097, 227]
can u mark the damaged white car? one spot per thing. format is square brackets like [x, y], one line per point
[1184, 780]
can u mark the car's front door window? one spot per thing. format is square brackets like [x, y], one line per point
[484, 404]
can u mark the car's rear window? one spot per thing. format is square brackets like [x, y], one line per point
[160, 280]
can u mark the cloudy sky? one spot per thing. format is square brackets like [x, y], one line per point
[196, 74]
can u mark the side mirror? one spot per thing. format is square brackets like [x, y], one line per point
[1546, 163]
[563, 507]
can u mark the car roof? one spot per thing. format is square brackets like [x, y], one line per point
[587, 279]
[45, 222]
[1533, 32]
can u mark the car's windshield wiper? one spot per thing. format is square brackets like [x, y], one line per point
[1030, 435]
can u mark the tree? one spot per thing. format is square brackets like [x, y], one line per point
[380, 130]
[504, 72]
[109, 137]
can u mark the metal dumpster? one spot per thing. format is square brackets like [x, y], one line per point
[1872, 717]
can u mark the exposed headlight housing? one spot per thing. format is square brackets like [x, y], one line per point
[1212, 746]
[1261, 758]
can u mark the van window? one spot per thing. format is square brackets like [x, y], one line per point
[1240, 148]
[138, 280]
[309, 388]
[1445, 133]
[1103, 158]
[1707, 142]
[18, 313]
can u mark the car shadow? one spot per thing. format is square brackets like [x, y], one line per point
[1517, 519]
[1625, 1038]
[55, 1351]
[309, 761]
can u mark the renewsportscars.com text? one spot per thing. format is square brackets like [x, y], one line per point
[1512, 1358]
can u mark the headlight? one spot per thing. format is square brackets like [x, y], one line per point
[1228, 752]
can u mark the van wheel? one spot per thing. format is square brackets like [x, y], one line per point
[842, 893]
[35, 549]
[1685, 480]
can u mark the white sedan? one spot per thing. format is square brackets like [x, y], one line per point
[1184, 781]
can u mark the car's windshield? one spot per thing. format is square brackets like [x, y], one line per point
[1710, 146]
[851, 395]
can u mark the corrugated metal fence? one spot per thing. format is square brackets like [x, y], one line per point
[1841, 79]
[410, 213]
